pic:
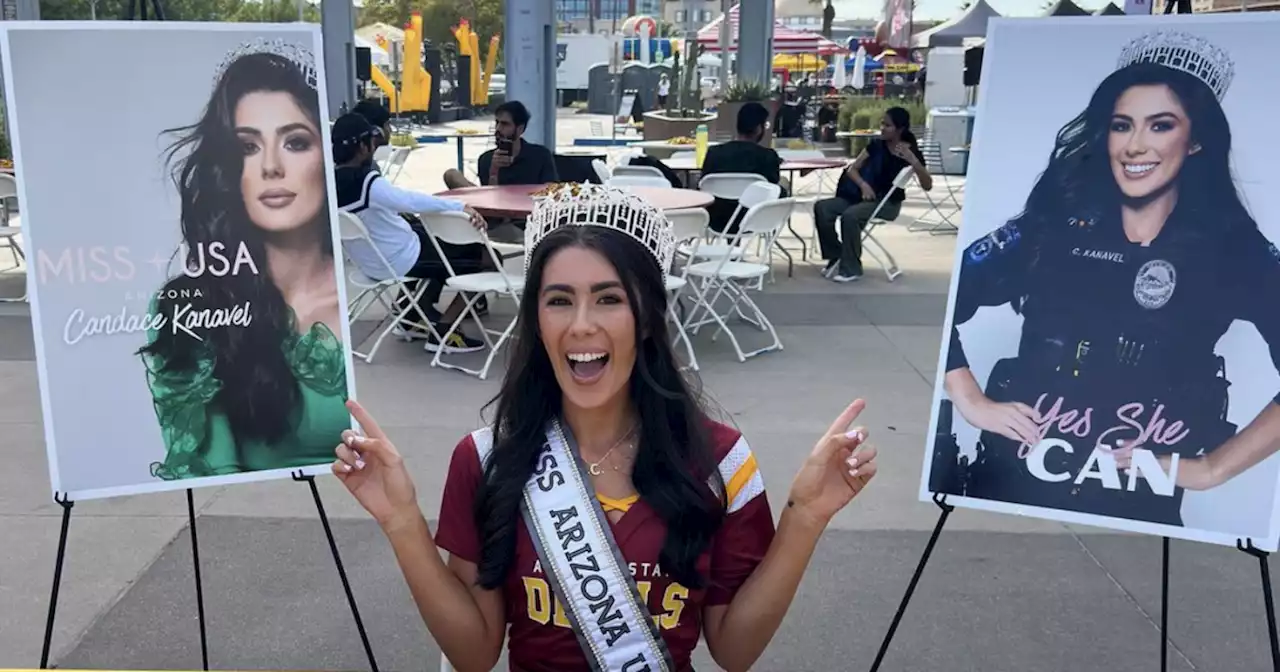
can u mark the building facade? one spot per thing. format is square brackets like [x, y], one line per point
[576, 14]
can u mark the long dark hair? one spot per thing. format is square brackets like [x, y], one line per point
[901, 120]
[675, 461]
[1078, 180]
[259, 392]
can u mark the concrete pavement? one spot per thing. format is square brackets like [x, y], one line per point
[1002, 593]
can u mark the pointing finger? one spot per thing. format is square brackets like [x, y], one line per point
[366, 421]
[846, 418]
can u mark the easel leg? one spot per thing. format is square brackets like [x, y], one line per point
[941, 500]
[66, 505]
[1164, 604]
[342, 572]
[1267, 598]
[195, 563]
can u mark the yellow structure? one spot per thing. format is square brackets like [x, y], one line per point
[415, 83]
[469, 45]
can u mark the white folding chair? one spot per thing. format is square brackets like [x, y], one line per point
[642, 171]
[9, 234]
[602, 170]
[395, 163]
[869, 242]
[352, 231]
[380, 156]
[728, 186]
[943, 209]
[687, 225]
[455, 228]
[733, 278]
[624, 180]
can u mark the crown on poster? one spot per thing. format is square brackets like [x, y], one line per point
[299, 56]
[1188, 53]
[597, 205]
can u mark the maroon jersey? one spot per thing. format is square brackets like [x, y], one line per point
[540, 637]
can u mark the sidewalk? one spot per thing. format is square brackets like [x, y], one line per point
[1002, 593]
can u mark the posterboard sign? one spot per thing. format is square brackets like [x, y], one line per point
[1113, 328]
[179, 220]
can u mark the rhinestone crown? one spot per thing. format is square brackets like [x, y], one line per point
[298, 55]
[1191, 54]
[609, 207]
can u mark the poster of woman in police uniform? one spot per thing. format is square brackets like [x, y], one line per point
[1113, 330]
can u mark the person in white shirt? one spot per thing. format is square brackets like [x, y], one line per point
[384, 210]
[664, 90]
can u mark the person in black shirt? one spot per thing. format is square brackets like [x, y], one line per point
[515, 160]
[1132, 258]
[378, 117]
[859, 191]
[742, 155]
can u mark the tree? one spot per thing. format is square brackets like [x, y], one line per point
[280, 11]
[439, 17]
[828, 16]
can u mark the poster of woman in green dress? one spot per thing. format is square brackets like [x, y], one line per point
[240, 336]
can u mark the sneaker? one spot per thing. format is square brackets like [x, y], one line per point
[455, 344]
[410, 332]
[847, 277]
[830, 270]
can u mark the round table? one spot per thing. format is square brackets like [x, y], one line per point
[690, 165]
[516, 200]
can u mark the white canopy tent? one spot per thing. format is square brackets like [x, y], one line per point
[969, 25]
[379, 58]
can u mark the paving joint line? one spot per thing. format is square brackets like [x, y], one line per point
[1131, 598]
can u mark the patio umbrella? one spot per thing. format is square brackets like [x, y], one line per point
[860, 69]
[839, 72]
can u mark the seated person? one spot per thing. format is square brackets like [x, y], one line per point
[405, 245]
[744, 154]
[379, 118]
[861, 188]
[515, 160]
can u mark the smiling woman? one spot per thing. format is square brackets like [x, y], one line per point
[602, 518]
[265, 391]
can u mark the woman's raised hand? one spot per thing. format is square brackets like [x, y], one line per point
[839, 467]
[373, 471]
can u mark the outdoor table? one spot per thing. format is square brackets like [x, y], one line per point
[661, 149]
[460, 138]
[516, 200]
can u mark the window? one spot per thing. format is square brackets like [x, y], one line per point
[706, 16]
[681, 15]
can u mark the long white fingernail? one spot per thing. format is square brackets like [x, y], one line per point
[853, 472]
[359, 464]
[346, 467]
[855, 434]
[852, 461]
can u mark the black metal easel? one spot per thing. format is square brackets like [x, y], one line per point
[1245, 545]
[67, 503]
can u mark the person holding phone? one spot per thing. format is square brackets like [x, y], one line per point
[514, 160]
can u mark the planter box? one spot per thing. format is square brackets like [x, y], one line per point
[658, 126]
[726, 127]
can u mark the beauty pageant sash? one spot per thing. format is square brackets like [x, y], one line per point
[584, 566]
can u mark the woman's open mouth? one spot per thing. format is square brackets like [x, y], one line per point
[587, 367]
[1137, 170]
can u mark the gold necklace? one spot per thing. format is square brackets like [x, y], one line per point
[594, 467]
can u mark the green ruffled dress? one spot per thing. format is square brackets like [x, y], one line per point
[198, 437]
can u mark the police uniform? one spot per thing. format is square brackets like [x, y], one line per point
[1124, 335]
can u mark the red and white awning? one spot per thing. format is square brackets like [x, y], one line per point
[785, 40]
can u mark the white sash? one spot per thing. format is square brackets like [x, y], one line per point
[584, 566]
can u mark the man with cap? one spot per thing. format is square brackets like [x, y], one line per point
[405, 244]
